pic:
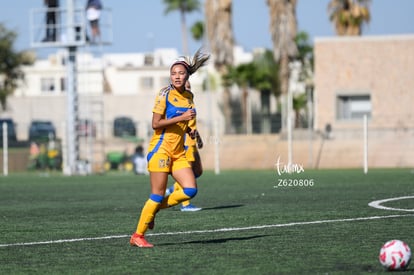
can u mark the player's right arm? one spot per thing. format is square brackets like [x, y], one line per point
[159, 121]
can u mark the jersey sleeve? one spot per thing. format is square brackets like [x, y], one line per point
[160, 103]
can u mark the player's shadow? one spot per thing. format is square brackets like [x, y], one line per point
[222, 207]
[216, 241]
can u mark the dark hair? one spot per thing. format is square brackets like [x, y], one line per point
[193, 64]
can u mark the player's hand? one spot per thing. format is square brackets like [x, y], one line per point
[188, 115]
[200, 143]
[194, 134]
[191, 133]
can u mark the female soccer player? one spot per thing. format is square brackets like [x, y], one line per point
[174, 108]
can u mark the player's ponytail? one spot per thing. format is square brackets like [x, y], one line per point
[193, 64]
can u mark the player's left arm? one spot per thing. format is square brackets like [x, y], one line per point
[194, 134]
[199, 140]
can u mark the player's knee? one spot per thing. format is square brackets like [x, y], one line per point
[191, 192]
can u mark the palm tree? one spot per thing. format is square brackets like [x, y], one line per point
[283, 28]
[306, 59]
[10, 64]
[348, 16]
[218, 14]
[266, 80]
[241, 75]
[197, 31]
[305, 53]
[298, 104]
[260, 74]
[183, 6]
[220, 32]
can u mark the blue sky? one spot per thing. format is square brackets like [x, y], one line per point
[141, 25]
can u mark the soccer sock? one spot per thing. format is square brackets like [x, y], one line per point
[178, 196]
[177, 187]
[148, 213]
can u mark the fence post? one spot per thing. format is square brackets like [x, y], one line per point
[5, 150]
[365, 144]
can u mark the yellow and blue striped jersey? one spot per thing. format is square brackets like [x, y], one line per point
[170, 140]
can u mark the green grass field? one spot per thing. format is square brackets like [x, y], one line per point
[52, 224]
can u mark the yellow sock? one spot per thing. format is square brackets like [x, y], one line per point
[175, 198]
[178, 187]
[147, 216]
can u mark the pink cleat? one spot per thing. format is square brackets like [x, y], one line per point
[139, 240]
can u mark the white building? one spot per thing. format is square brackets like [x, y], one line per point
[109, 85]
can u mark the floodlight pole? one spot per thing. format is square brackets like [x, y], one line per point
[72, 139]
[72, 29]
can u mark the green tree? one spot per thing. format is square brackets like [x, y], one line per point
[299, 103]
[305, 50]
[348, 16]
[260, 74]
[242, 76]
[266, 73]
[197, 31]
[183, 6]
[266, 80]
[11, 63]
[306, 59]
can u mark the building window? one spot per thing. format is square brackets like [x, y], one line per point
[63, 84]
[149, 60]
[147, 82]
[47, 85]
[353, 106]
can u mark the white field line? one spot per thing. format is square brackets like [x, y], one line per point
[212, 230]
[377, 204]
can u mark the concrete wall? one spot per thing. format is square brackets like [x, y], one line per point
[386, 149]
